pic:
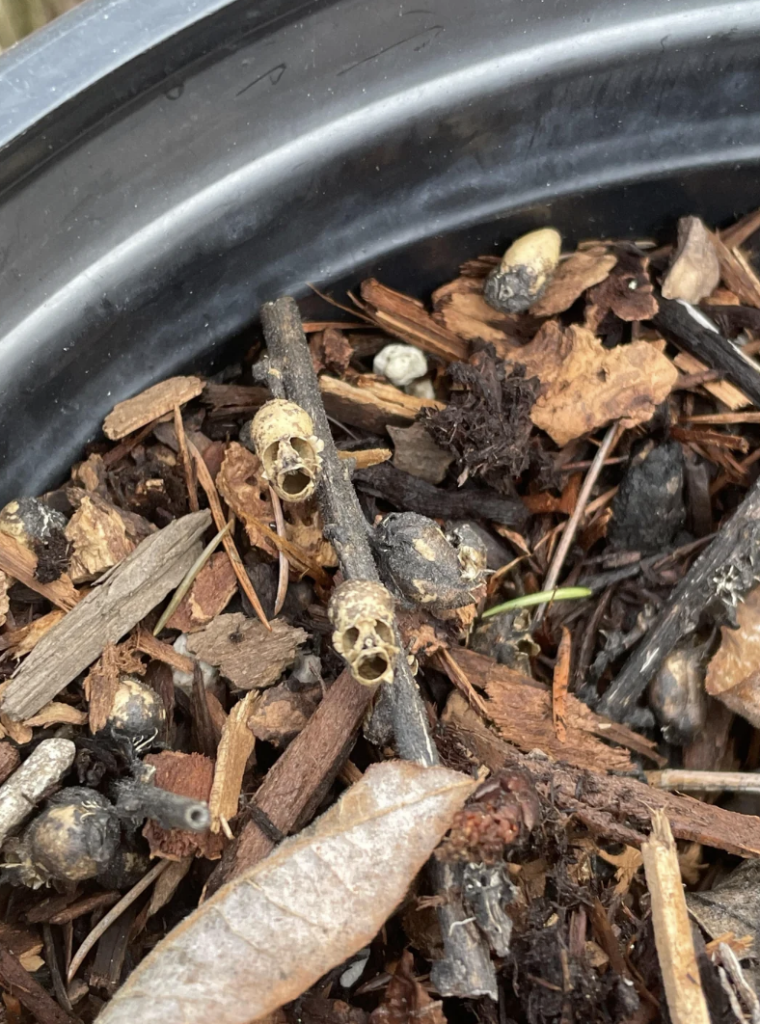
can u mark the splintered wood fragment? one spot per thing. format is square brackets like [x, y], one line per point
[572, 277]
[297, 782]
[367, 456]
[672, 927]
[187, 464]
[460, 308]
[737, 274]
[212, 590]
[149, 405]
[612, 806]
[716, 581]
[155, 648]
[16, 980]
[18, 562]
[190, 775]
[22, 641]
[372, 406]
[405, 317]
[560, 683]
[101, 536]
[678, 325]
[724, 391]
[106, 614]
[235, 747]
[694, 272]
[521, 709]
[206, 481]
[250, 656]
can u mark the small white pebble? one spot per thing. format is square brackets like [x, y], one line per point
[352, 973]
[421, 389]
[184, 680]
[401, 364]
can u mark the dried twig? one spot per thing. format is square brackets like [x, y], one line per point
[187, 465]
[284, 566]
[568, 535]
[560, 683]
[687, 780]
[672, 928]
[19, 982]
[113, 914]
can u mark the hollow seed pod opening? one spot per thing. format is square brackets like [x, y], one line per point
[361, 613]
[282, 434]
[524, 272]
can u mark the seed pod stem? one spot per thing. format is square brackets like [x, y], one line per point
[140, 800]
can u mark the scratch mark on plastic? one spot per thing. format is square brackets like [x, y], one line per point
[274, 75]
[426, 36]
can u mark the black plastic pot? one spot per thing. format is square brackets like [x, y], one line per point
[167, 165]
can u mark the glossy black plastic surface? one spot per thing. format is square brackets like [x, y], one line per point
[166, 166]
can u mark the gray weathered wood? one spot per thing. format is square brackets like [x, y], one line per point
[109, 611]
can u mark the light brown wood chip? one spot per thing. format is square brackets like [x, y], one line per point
[136, 412]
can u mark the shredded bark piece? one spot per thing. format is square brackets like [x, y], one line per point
[211, 592]
[156, 401]
[190, 775]
[235, 747]
[244, 651]
[101, 536]
[571, 279]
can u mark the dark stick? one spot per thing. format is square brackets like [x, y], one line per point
[716, 582]
[679, 326]
[411, 494]
[19, 982]
[290, 363]
[469, 971]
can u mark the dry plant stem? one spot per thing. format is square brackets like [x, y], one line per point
[113, 914]
[290, 363]
[188, 581]
[187, 464]
[110, 610]
[208, 485]
[44, 767]
[16, 980]
[734, 545]
[568, 535]
[672, 927]
[284, 566]
[704, 781]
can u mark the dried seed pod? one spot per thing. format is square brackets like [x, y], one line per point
[420, 563]
[75, 837]
[470, 549]
[282, 435]
[524, 272]
[361, 613]
[137, 710]
[677, 694]
[31, 522]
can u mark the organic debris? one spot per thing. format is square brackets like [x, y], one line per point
[520, 542]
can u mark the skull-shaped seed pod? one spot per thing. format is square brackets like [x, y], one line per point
[282, 435]
[419, 562]
[677, 694]
[75, 837]
[137, 710]
[470, 549]
[524, 272]
[31, 522]
[361, 613]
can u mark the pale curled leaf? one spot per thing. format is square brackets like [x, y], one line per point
[268, 935]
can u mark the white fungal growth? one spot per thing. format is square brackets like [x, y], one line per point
[401, 364]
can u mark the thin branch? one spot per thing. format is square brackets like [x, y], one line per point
[187, 464]
[284, 565]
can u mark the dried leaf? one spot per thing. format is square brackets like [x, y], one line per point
[211, 592]
[415, 452]
[245, 652]
[694, 272]
[627, 863]
[102, 536]
[405, 1000]
[585, 386]
[4, 602]
[188, 775]
[149, 405]
[241, 484]
[627, 292]
[235, 747]
[102, 681]
[319, 898]
[571, 279]
[305, 529]
[733, 675]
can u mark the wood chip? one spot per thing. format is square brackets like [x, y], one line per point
[407, 318]
[22, 641]
[281, 714]
[157, 649]
[672, 927]
[149, 405]
[560, 684]
[415, 452]
[211, 592]
[365, 457]
[20, 564]
[106, 614]
[245, 652]
[733, 676]
[571, 279]
[240, 482]
[10, 759]
[460, 308]
[585, 386]
[723, 390]
[521, 709]
[235, 747]
[189, 775]
[102, 536]
[56, 713]
[694, 272]
[737, 274]
[370, 404]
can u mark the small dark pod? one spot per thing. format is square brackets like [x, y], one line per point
[75, 837]
[137, 710]
[419, 562]
[471, 551]
[524, 272]
[677, 694]
[648, 509]
[124, 869]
